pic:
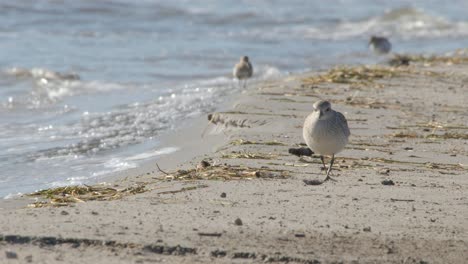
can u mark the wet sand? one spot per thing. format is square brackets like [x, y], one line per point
[400, 195]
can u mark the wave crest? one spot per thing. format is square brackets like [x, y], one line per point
[403, 22]
[45, 87]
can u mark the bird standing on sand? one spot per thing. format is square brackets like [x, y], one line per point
[326, 132]
[243, 70]
[380, 45]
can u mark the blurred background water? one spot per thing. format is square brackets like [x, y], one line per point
[88, 87]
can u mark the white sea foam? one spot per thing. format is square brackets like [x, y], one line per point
[152, 154]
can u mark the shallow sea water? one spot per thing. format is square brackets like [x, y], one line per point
[88, 87]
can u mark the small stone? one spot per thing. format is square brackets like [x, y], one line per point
[313, 182]
[299, 235]
[223, 195]
[11, 254]
[388, 182]
[64, 213]
[384, 171]
[94, 213]
[366, 229]
[28, 258]
[238, 222]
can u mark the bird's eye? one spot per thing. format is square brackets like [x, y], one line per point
[328, 110]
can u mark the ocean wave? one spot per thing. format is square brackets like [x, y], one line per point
[46, 87]
[40, 73]
[405, 23]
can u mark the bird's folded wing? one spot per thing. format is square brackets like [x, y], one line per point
[344, 123]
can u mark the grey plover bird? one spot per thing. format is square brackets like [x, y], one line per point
[325, 132]
[380, 45]
[243, 70]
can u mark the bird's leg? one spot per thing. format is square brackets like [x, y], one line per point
[245, 83]
[329, 169]
[323, 162]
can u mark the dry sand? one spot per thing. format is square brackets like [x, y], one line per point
[410, 128]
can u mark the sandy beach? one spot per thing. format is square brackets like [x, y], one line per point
[400, 194]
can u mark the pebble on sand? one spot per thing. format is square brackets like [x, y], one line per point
[238, 222]
[388, 182]
[11, 254]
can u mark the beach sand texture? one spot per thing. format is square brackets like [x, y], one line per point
[400, 194]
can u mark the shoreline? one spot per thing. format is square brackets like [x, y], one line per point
[407, 125]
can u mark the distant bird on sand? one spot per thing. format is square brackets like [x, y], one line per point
[243, 70]
[326, 133]
[380, 45]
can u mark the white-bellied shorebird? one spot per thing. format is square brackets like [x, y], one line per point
[243, 70]
[325, 132]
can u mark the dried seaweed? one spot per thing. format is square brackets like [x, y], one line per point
[184, 189]
[405, 135]
[249, 142]
[225, 172]
[448, 136]
[249, 155]
[253, 113]
[368, 144]
[366, 103]
[363, 75]
[430, 165]
[64, 196]
[349, 75]
[432, 125]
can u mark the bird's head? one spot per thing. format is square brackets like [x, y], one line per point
[244, 59]
[323, 108]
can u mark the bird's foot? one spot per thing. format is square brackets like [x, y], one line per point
[328, 178]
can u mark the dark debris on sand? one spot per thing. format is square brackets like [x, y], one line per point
[313, 182]
[301, 151]
[388, 182]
